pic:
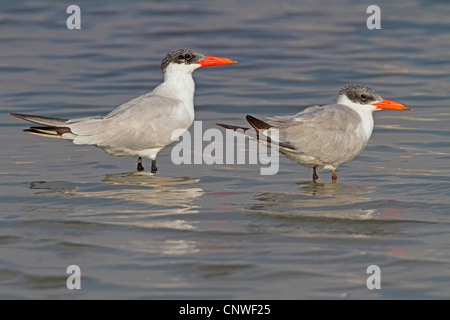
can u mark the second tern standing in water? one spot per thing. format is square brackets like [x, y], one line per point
[328, 135]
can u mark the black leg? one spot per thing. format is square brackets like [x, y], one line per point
[315, 176]
[139, 165]
[154, 168]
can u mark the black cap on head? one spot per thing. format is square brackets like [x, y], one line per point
[180, 56]
[360, 94]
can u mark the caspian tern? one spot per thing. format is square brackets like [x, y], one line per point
[144, 125]
[328, 135]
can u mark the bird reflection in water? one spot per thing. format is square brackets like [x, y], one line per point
[166, 195]
[138, 200]
[165, 191]
[319, 200]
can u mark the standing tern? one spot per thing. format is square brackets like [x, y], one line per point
[145, 125]
[328, 135]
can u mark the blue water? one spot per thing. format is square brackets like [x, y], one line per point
[225, 231]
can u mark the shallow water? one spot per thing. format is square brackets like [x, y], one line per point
[225, 231]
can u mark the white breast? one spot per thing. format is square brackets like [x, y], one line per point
[365, 127]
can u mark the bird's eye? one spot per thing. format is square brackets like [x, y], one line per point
[185, 56]
[363, 96]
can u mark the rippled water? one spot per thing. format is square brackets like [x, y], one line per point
[225, 231]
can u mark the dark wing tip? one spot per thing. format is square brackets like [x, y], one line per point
[48, 131]
[32, 118]
[223, 125]
[261, 125]
[229, 126]
[256, 123]
[18, 115]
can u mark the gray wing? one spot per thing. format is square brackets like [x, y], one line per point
[146, 122]
[327, 133]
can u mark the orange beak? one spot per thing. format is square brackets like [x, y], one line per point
[389, 104]
[213, 61]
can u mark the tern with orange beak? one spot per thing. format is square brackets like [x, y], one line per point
[144, 125]
[328, 135]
